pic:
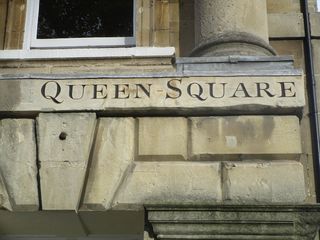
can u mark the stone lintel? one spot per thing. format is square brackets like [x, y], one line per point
[176, 95]
[273, 222]
[225, 85]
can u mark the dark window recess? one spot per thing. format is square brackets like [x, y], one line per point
[84, 18]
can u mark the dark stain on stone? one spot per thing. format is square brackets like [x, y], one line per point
[10, 95]
[243, 130]
[205, 124]
[268, 126]
[248, 131]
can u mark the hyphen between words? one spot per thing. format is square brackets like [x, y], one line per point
[59, 91]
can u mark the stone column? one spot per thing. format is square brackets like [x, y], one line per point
[231, 27]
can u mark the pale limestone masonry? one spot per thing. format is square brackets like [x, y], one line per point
[243, 137]
[226, 139]
[252, 182]
[89, 167]
[18, 168]
[102, 169]
[113, 157]
[163, 139]
[65, 142]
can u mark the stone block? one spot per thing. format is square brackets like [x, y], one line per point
[113, 156]
[315, 23]
[171, 183]
[316, 55]
[65, 141]
[18, 166]
[162, 138]
[265, 182]
[234, 137]
[283, 6]
[61, 184]
[285, 25]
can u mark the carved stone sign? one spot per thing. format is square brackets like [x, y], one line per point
[251, 94]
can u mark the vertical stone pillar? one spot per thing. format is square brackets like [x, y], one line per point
[231, 27]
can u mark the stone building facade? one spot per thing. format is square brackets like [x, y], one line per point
[200, 123]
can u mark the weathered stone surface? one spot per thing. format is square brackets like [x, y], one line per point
[234, 222]
[4, 197]
[170, 183]
[61, 184]
[307, 161]
[183, 95]
[18, 167]
[64, 147]
[268, 137]
[286, 25]
[276, 182]
[113, 155]
[162, 139]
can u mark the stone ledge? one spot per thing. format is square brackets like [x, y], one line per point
[87, 53]
[227, 222]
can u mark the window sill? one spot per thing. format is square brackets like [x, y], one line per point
[87, 53]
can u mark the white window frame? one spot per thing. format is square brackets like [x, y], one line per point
[31, 41]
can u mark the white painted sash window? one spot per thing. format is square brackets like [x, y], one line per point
[79, 24]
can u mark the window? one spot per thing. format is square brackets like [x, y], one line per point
[79, 23]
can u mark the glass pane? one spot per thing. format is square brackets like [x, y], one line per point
[85, 18]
